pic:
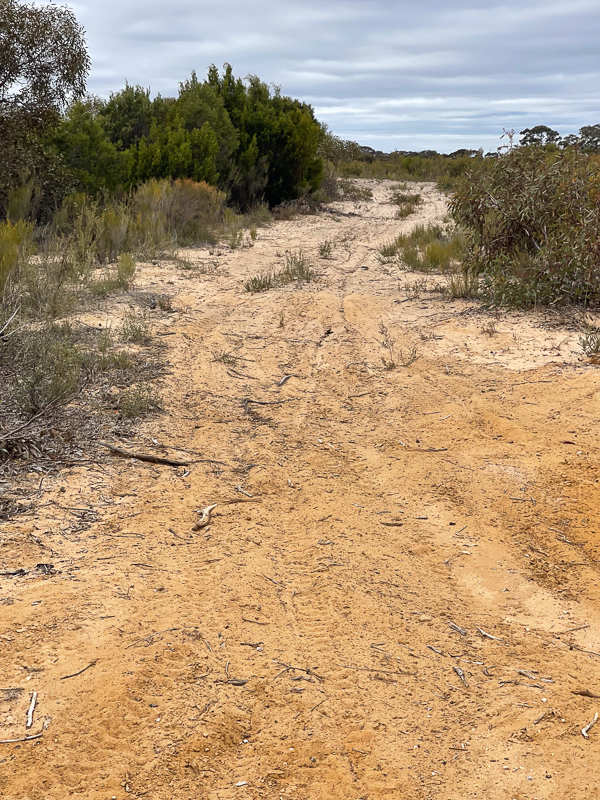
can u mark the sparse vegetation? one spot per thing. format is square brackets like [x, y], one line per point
[296, 268]
[136, 327]
[407, 203]
[137, 401]
[226, 357]
[388, 342]
[326, 248]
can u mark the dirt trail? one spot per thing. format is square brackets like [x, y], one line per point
[402, 608]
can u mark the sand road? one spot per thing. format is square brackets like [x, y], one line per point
[403, 604]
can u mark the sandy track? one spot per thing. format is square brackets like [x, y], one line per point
[397, 518]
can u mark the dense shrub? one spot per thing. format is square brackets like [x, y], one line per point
[533, 223]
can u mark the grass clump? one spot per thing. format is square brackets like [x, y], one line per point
[118, 277]
[326, 248]
[296, 268]
[407, 203]
[225, 357]
[429, 248]
[351, 191]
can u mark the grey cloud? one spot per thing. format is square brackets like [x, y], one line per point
[408, 75]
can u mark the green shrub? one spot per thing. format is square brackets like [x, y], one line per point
[117, 277]
[16, 239]
[533, 223]
[590, 342]
[50, 367]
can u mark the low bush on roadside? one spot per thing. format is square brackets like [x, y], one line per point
[532, 219]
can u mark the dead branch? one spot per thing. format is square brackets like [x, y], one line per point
[151, 459]
[75, 674]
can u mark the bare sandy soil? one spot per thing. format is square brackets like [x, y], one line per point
[406, 602]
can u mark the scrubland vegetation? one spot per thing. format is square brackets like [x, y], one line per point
[91, 186]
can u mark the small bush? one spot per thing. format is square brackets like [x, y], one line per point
[50, 367]
[225, 357]
[119, 277]
[407, 203]
[136, 328]
[139, 400]
[325, 248]
[16, 239]
[260, 283]
[590, 342]
[351, 191]
[296, 268]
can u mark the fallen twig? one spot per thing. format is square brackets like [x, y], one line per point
[589, 726]
[151, 459]
[586, 693]
[34, 697]
[254, 621]
[454, 627]
[24, 739]
[269, 402]
[488, 635]
[205, 515]
[75, 674]
[288, 667]
[461, 675]
[286, 378]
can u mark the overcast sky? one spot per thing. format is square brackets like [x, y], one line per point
[391, 74]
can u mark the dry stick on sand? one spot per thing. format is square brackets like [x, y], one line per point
[75, 674]
[24, 739]
[205, 515]
[589, 726]
[170, 462]
[34, 697]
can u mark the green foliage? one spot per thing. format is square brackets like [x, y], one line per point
[136, 327]
[15, 241]
[325, 248]
[43, 66]
[533, 225]
[117, 278]
[49, 367]
[407, 203]
[127, 116]
[94, 161]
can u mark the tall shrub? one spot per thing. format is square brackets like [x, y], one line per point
[533, 222]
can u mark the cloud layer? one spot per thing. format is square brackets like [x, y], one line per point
[394, 75]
